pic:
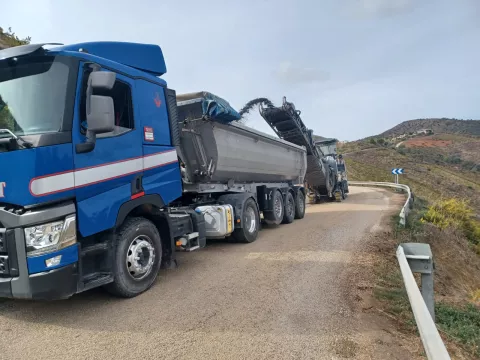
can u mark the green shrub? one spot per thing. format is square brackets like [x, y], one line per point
[460, 323]
[455, 213]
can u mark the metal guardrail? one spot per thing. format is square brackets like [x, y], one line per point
[405, 209]
[418, 258]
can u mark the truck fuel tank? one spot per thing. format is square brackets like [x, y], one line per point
[219, 220]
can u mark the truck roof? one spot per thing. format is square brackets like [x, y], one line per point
[145, 57]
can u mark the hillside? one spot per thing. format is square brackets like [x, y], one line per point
[443, 171]
[436, 167]
[9, 39]
[438, 126]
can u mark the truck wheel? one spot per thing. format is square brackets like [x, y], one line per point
[251, 223]
[138, 256]
[300, 205]
[289, 213]
[275, 216]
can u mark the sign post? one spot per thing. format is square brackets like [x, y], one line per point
[396, 172]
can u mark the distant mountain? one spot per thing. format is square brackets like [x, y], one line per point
[443, 126]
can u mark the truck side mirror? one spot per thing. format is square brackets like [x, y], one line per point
[100, 109]
[101, 118]
[102, 80]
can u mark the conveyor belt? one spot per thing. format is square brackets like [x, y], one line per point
[288, 125]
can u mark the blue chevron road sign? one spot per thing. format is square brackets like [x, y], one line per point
[397, 171]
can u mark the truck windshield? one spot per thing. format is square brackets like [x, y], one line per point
[33, 92]
[327, 149]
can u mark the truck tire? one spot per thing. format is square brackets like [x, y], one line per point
[300, 205]
[250, 223]
[275, 217]
[289, 212]
[137, 258]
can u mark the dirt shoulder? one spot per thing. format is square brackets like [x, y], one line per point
[380, 335]
[380, 300]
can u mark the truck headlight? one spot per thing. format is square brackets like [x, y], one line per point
[50, 237]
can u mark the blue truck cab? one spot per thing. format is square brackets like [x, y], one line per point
[87, 156]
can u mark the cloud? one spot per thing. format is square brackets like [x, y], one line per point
[382, 7]
[290, 74]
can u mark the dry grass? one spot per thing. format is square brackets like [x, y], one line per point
[444, 176]
[428, 180]
[457, 273]
[457, 282]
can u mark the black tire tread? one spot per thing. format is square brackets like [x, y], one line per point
[239, 234]
[288, 219]
[128, 226]
[299, 197]
[270, 215]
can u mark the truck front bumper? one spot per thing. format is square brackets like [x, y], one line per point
[55, 284]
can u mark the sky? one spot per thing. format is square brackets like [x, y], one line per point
[355, 68]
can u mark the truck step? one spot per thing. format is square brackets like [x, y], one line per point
[96, 279]
[92, 249]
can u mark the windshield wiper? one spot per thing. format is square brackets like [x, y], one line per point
[18, 139]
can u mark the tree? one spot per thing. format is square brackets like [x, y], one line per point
[6, 118]
[10, 39]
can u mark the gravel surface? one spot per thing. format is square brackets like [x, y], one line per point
[278, 298]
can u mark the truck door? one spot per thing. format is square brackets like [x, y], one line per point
[161, 167]
[110, 174]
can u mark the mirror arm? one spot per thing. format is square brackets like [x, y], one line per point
[91, 137]
[88, 145]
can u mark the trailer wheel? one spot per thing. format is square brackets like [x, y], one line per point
[289, 213]
[137, 258]
[300, 205]
[275, 216]
[251, 223]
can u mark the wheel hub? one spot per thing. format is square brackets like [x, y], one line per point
[290, 206]
[250, 220]
[140, 257]
[278, 207]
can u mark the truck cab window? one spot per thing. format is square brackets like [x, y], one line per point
[122, 102]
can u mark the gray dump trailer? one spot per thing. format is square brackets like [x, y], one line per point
[230, 168]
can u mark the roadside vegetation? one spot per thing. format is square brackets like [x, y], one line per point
[446, 226]
[443, 171]
[9, 39]
[434, 174]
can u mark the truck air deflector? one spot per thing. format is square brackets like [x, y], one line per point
[145, 57]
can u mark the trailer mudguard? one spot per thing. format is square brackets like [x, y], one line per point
[238, 202]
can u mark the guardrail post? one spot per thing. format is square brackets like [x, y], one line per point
[420, 260]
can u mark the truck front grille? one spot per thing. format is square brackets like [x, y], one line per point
[3, 242]
[4, 267]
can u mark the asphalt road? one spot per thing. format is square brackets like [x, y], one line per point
[282, 297]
